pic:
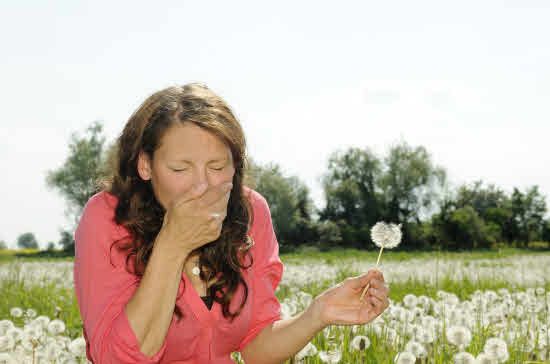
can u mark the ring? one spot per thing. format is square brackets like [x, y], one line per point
[215, 215]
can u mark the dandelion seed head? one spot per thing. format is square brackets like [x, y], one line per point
[386, 236]
[459, 336]
[16, 312]
[405, 357]
[56, 327]
[359, 343]
[464, 358]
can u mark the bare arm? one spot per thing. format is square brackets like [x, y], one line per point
[283, 339]
[151, 308]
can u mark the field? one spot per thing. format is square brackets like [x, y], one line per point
[445, 308]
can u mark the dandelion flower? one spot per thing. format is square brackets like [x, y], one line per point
[6, 343]
[459, 336]
[332, 356]
[5, 325]
[416, 348]
[56, 327]
[360, 343]
[384, 236]
[464, 358]
[31, 313]
[308, 350]
[405, 358]
[483, 358]
[16, 312]
[496, 349]
[77, 347]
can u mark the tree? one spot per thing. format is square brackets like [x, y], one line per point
[51, 246]
[411, 185]
[528, 210]
[491, 204]
[351, 193]
[77, 180]
[67, 242]
[289, 202]
[27, 241]
[3, 245]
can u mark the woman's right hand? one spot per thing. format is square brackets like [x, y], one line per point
[196, 218]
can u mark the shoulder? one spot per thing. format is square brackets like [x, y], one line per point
[260, 208]
[99, 212]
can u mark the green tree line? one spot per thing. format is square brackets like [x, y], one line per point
[360, 188]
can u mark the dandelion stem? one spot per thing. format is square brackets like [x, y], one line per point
[379, 255]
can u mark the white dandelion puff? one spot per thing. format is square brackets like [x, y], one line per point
[359, 343]
[7, 343]
[464, 358]
[56, 327]
[405, 358]
[77, 347]
[497, 349]
[459, 336]
[308, 350]
[384, 236]
[16, 312]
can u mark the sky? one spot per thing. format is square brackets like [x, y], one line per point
[468, 80]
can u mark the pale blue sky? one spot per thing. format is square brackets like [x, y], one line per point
[468, 80]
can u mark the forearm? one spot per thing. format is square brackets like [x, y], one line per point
[282, 340]
[151, 308]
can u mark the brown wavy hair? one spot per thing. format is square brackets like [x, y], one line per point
[142, 215]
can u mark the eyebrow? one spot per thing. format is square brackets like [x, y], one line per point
[190, 162]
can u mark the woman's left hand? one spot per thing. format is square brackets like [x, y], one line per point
[340, 305]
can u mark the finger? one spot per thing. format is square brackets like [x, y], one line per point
[362, 280]
[379, 304]
[216, 195]
[193, 193]
[379, 293]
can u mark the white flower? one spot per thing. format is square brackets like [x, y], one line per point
[6, 343]
[78, 347]
[416, 348]
[5, 325]
[464, 358]
[333, 356]
[33, 331]
[410, 300]
[6, 358]
[386, 235]
[55, 327]
[459, 336]
[360, 342]
[496, 349]
[483, 358]
[405, 358]
[308, 350]
[16, 312]
[31, 313]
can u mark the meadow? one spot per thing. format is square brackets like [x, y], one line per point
[469, 307]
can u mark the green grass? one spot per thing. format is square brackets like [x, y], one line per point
[44, 297]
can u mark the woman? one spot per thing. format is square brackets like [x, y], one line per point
[176, 259]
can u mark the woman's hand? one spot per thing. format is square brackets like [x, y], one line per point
[340, 305]
[195, 218]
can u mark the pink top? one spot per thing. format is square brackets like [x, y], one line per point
[202, 336]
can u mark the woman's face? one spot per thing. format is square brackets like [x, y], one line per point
[187, 156]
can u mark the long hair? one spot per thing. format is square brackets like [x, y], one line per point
[142, 215]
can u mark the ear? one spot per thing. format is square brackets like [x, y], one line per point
[144, 166]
